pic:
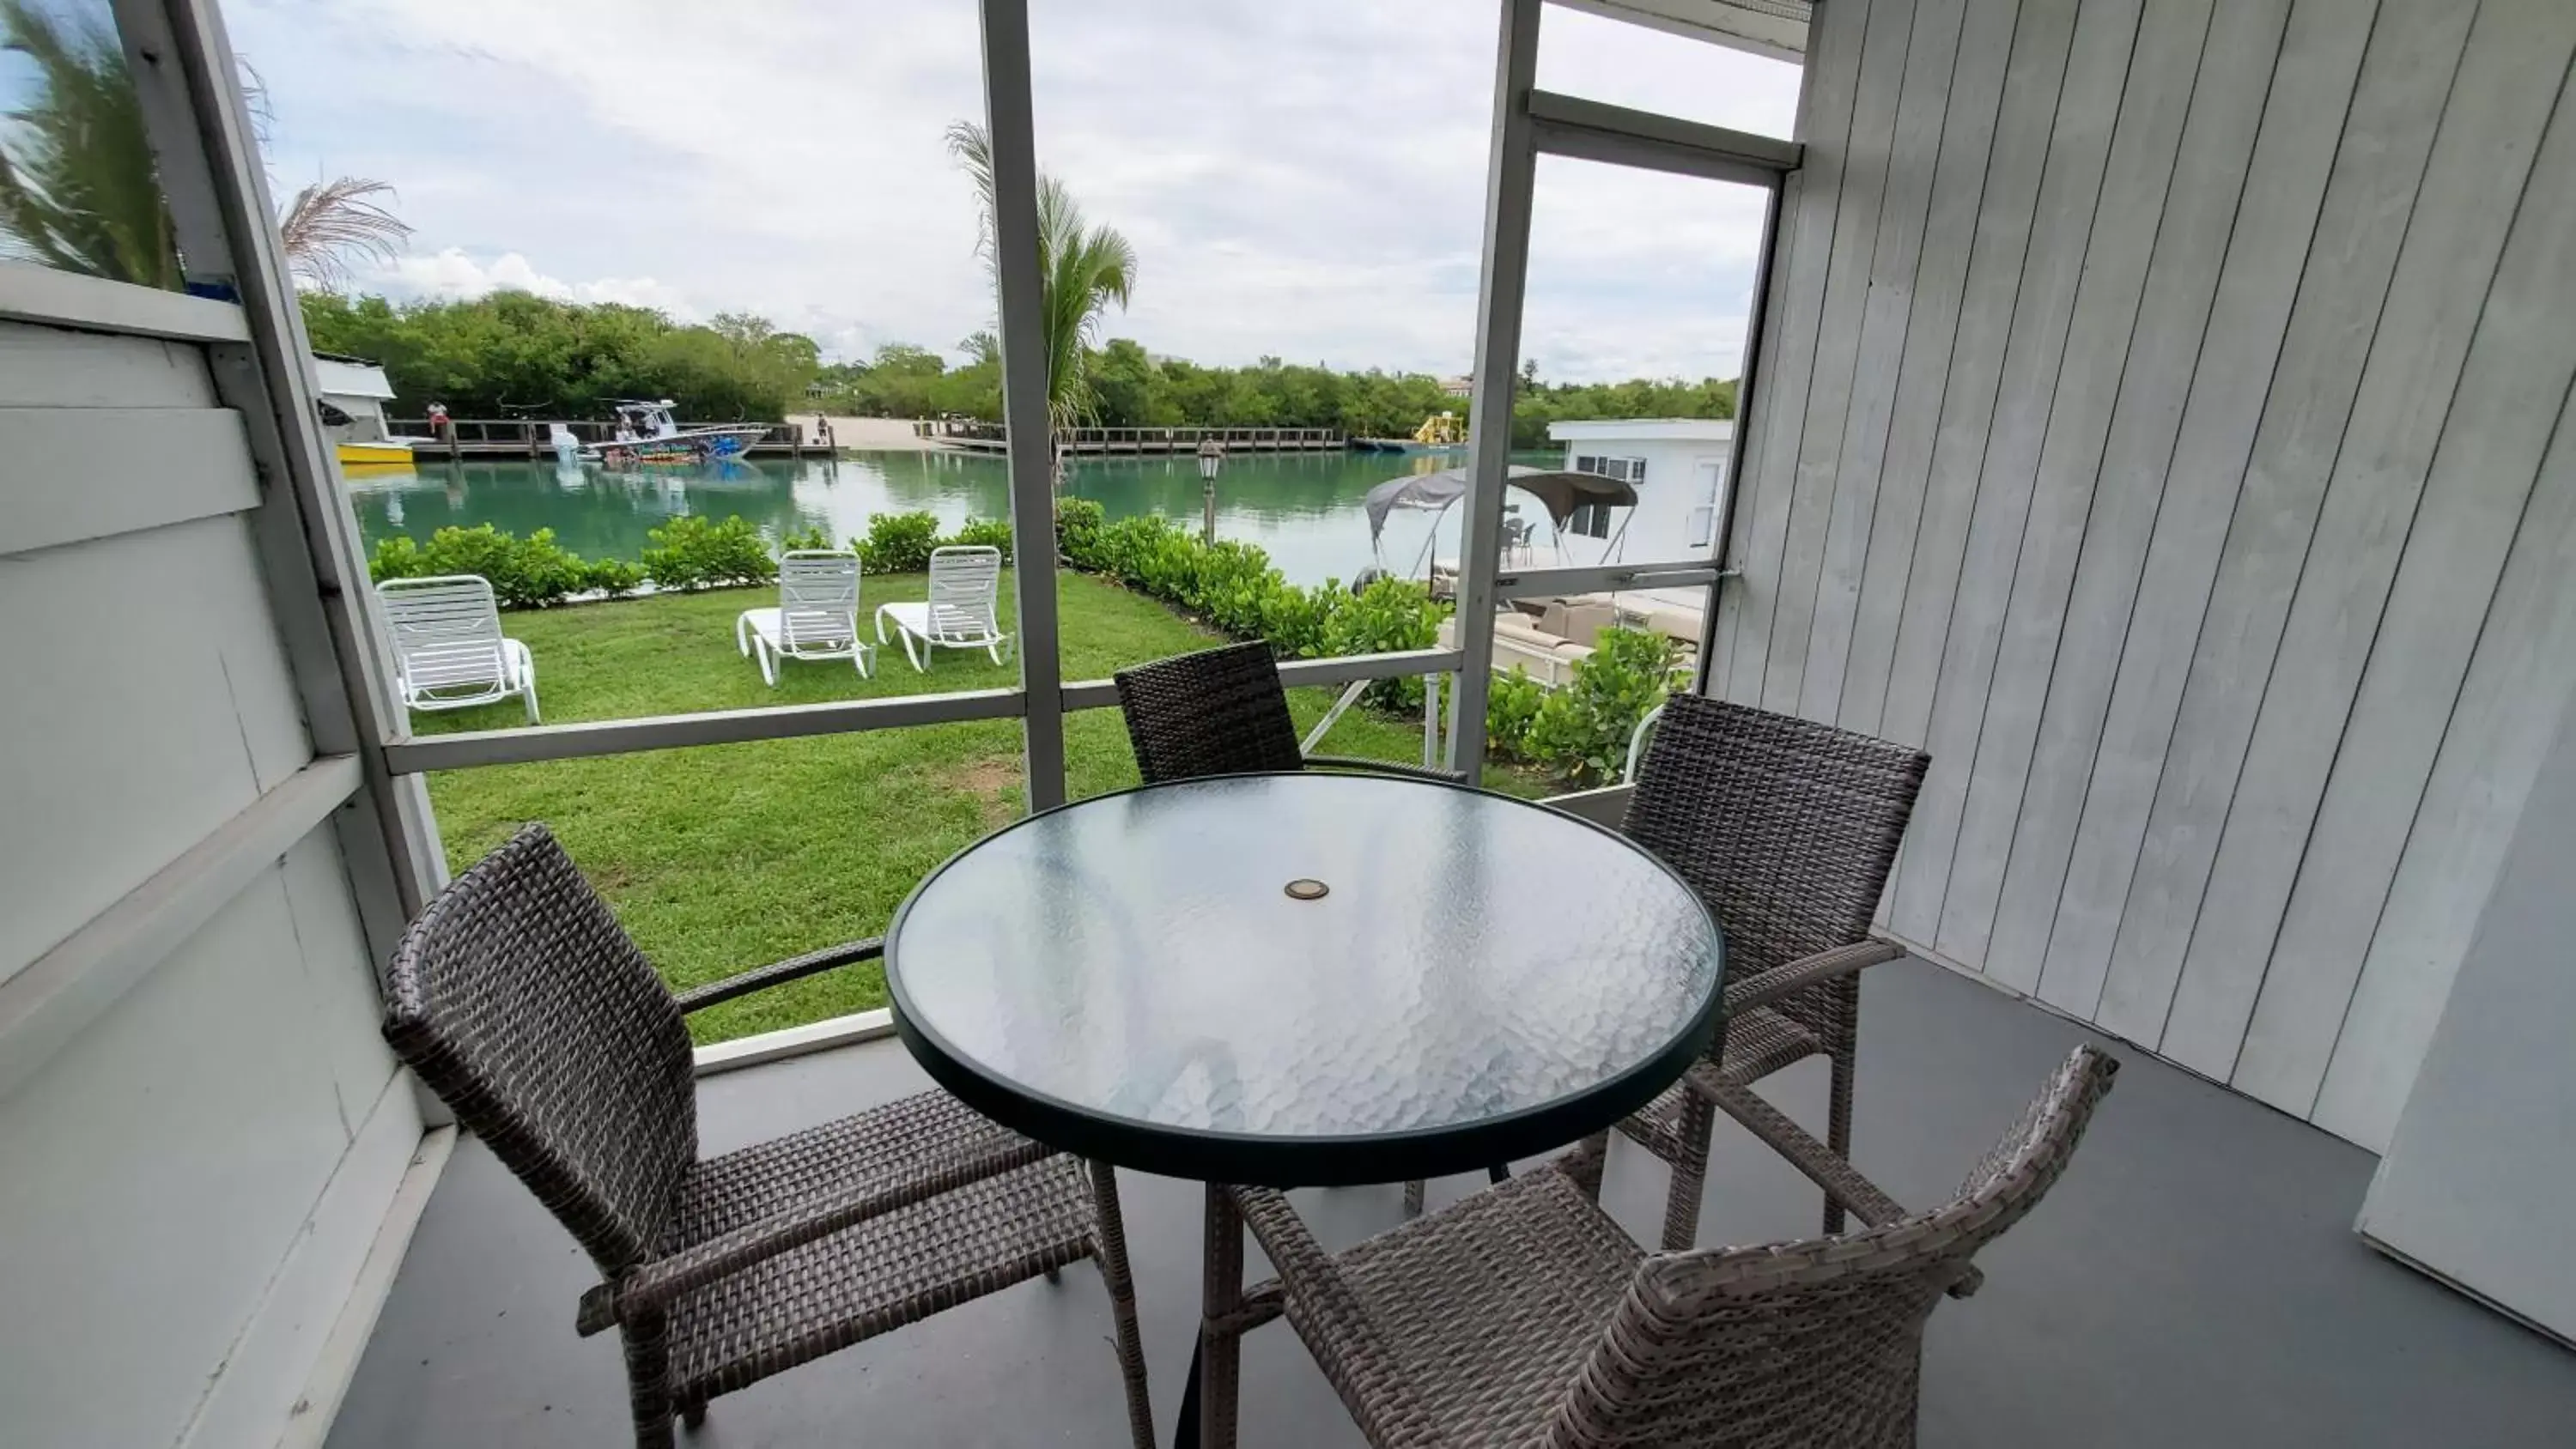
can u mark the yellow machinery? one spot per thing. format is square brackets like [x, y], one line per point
[1441, 430]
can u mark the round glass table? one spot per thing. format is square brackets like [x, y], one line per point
[1304, 979]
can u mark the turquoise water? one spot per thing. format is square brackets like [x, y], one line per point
[1305, 510]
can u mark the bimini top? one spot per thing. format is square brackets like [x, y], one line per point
[1561, 492]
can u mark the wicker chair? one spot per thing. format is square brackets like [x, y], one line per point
[1787, 830]
[1524, 1316]
[1222, 712]
[521, 1003]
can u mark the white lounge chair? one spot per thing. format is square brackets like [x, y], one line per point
[449, 652]
[965, 590]
[817, 615]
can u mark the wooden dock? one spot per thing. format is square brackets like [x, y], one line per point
[484, 439]
[1145, 442]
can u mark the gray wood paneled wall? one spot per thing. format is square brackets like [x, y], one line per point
[2161, 425]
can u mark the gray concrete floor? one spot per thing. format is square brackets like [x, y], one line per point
[2193, 1280]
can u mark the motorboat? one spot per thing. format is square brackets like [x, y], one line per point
[646, 433]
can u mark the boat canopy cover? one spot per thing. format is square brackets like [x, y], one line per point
[1561, 492]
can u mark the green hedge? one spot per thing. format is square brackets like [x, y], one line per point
[901, 543]
[525, 573]
[1232, 586]
[686, 554]
[689, 554]
[1579, 732]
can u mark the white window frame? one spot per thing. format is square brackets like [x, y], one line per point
[1702, 524]
[1625, 469]
[1529, 122]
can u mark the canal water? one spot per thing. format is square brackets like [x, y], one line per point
[1303, 509]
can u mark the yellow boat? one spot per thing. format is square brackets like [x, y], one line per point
[353, 396]
[378, 454]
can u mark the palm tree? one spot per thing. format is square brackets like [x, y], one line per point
[78, 189]
[1081, 270]
[76, 186]
[328, 222]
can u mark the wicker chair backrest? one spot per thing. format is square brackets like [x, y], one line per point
[1216, 712]
[1814, 1342]
[537, 1021]
[1786, 828]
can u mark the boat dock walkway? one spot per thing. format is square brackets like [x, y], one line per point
[486, 438]
[526, 438]
[1149, 442]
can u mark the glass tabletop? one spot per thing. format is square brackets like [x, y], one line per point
[1305, 978]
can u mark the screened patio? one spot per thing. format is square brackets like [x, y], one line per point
[2152, 409]
[2197, 1282]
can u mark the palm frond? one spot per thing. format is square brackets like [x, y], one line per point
[331, 223]
[1082, 269]
[974, 151]
[77, 184]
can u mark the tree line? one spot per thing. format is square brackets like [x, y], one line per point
[1131, 388]
[513, 354]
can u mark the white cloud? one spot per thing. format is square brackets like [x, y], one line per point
[1305, 180]
[450, 273]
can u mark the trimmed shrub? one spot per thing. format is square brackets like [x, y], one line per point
[1582, 730]
[1389, 616]
[897, 543]
[395, 558]
[525, 573]
[1233, 586]
[689, 554]
[1511, 704]
[982, 533]
[1295, 620]
[1078, 522]
[611, 578]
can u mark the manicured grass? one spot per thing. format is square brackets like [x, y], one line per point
[724, 857]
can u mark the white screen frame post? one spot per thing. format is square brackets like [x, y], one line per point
[1511, 170]
[1010, 126]
[1528, 123]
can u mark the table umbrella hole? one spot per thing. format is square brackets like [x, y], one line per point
[1306, 890]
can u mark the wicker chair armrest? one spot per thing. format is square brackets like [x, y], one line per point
[778, 973]
[652, 1287]
[1328, 1315]
[1791, 977]
[1842, 1182]
[1385, 767]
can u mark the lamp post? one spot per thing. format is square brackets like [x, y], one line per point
[1211, 458]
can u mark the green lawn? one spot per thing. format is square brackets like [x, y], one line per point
[727, 856]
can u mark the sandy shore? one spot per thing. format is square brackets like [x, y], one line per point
[877, 435]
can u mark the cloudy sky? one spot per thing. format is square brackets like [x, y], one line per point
[1302, 178]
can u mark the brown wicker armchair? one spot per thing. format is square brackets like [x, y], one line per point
[1787, 830]
[1524, 1316]
[1221, 712]
[521, 1003]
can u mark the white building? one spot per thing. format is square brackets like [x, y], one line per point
[359, 389]
[1678, 467]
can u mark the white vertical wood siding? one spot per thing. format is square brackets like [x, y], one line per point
[2162, 425]
[193, 1179]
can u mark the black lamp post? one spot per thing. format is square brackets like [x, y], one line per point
[1211, 458]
